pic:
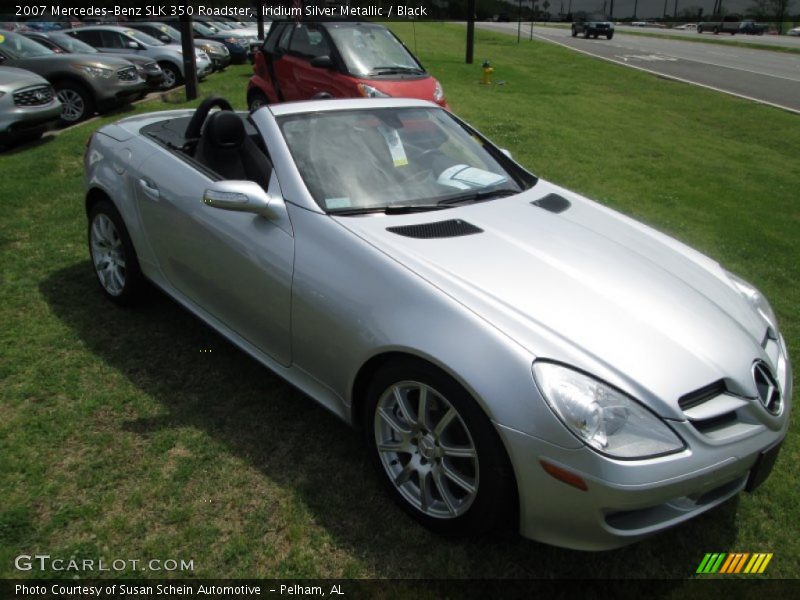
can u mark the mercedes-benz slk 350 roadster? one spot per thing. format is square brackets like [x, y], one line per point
[513, 352]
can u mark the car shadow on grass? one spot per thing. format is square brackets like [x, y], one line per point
[163, 351]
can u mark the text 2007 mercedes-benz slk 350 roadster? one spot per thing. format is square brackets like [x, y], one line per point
[513, 351]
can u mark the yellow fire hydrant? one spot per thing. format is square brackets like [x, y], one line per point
[486, 78]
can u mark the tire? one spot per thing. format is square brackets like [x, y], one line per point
[256, 100]
[716, 30]
[574, 32]
[609, 36]
[76, 101]
[448, 470]
[699, 29]
[595, 35]
[113, 256]
[172, 75]
[586, 34]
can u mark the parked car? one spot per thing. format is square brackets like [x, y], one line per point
[593, 26]
[124, 40]
[84, 83]
[28, 106]
[512, 351]
[237, 45]
[216, 51]
[337, 59]
[687, 26]
[61, 43]
[795, 31]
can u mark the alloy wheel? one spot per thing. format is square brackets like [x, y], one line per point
[73, 106]
[108, 255]
[426, 449]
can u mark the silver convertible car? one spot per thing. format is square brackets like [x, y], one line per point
[514, 353]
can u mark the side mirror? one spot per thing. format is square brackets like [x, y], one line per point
[165, 38]
[239, 196]
[322, 62]
[506, 152]
[134, 45]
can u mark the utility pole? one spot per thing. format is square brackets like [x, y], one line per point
[675, 14]
[519, 21]
[470, 31]
[635, 6]
[187, 47]
[611, 10]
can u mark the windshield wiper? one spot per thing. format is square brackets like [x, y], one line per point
[394, 69]
[388, 210]
[478, 196]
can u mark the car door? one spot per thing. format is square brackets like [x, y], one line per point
[309, 42]
[283, 65]
[237, 267]
[118, 43]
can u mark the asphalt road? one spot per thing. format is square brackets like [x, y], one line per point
[769, 77]
[766, 40]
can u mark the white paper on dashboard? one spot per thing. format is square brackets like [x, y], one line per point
[464, 177]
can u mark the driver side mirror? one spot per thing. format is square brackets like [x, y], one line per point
[134, 45]
[239, 196]
[322, 62]
[165, 38]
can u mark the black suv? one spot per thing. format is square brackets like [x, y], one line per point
[592, 26]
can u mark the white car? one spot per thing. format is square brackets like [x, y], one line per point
[795, 31]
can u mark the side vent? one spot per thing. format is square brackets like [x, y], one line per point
[438, 229]
[702, 395]
[552, 202]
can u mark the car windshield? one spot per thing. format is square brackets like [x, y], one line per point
[18, 46]
[72, 45]
[393, 159]
[371, 50]
[143, 38]
[202, 29]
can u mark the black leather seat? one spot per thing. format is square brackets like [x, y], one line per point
[226, 149]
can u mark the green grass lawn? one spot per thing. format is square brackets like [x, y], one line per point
[119, 438]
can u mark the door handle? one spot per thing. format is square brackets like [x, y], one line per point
[149, 191]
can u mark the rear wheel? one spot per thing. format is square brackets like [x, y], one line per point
[574, 32]
[716, 30]
[609, 36]
[77, 103]
[436, 450]
[113, 256]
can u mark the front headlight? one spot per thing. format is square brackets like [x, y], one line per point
[756, 300]
[97, 72]
[370, 92]
[602, 417]
[438, 92]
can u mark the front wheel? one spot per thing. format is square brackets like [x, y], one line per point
[113, 256]
[438, 454]
[77, 103]
[609, 36]
[172, 75]
[574, 32]
[256, 100]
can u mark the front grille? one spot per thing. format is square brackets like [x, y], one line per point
[439, 229]
[34, 96]
[127, 74]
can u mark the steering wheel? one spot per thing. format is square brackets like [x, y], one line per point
[196, 124]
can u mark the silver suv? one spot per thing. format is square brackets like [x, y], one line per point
[125, 40]
[28, 105]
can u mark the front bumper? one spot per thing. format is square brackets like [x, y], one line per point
[16, 122]
[628, 500]
[220, 61]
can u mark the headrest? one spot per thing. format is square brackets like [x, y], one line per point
[224, 129]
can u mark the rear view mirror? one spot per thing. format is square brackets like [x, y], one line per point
[322, 62]
[239, 196]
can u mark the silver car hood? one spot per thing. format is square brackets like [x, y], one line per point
[589, 287]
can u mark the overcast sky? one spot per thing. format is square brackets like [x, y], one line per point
[652, 8]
